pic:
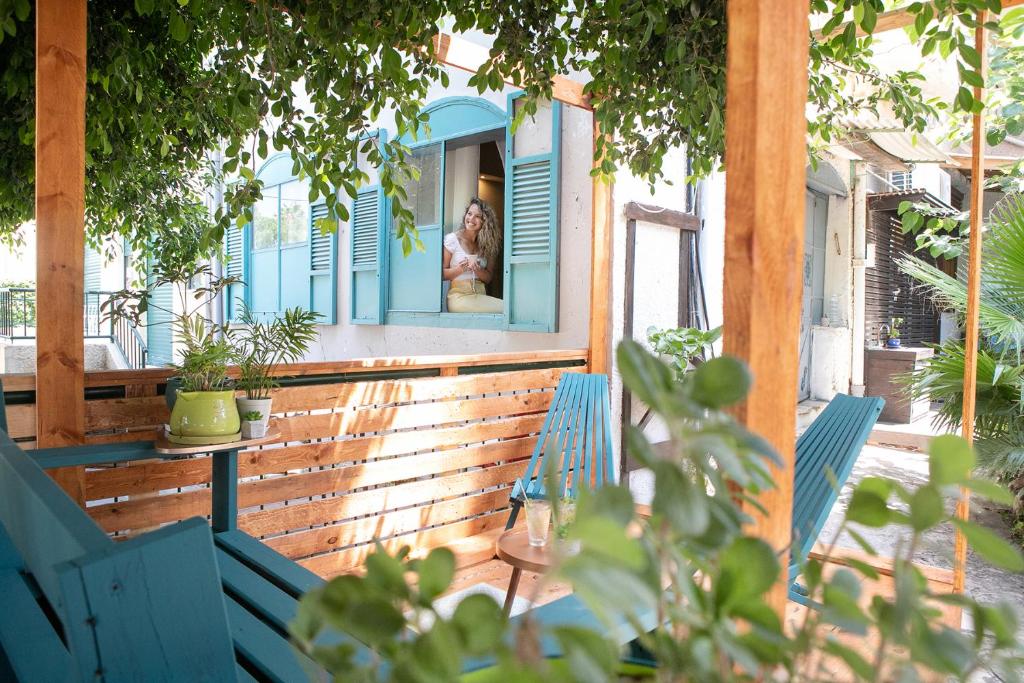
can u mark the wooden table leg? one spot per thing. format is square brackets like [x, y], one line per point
[225, 491]
[513, 586]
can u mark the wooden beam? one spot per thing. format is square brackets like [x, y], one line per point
[963, 507]
[462, 54]
[601, 272]
[896, 19]
[965, 161]
[60, 229]
[635, 211]
[765, 158]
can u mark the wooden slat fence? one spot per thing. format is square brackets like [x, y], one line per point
[420, 461]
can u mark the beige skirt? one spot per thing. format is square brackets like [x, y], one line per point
[470, 296]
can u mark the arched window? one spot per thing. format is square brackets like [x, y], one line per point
[470, 152]
[283, 259]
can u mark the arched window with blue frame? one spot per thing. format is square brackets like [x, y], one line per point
[282, 257]
[470, 151]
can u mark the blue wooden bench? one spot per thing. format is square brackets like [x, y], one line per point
[577, 434]
[829, 446]
[178, 604]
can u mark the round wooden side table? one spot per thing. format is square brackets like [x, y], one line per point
[513, 547]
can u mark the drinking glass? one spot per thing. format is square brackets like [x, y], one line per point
[538, 520]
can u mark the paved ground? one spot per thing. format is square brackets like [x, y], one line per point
[984, 582]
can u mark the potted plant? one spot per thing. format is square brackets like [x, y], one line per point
[204, 411]
[253, 426]
[200, 395]
[893, 342]
[260, 347]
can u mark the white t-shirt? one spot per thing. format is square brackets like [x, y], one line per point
[454, 246]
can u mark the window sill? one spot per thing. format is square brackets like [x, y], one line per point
[473, 321]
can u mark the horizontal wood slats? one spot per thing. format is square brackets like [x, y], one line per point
[423, 461]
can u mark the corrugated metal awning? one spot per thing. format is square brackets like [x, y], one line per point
[890, 201]
[885, 143]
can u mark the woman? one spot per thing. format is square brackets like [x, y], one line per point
[470, 254]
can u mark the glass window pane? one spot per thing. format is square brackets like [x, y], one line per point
[424, 195]
[294, 212]
[264, 220]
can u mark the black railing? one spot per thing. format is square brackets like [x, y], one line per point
[17, 313]
[129, 342]
[18, 321]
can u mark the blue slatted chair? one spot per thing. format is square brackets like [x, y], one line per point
[578, 433]
[831, 444]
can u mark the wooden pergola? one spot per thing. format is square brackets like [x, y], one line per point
[766, 160]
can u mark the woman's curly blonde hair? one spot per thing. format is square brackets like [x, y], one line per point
[488, 240]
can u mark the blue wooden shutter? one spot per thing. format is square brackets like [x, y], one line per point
[414, 281]
[159, 322]
[531, 226]
[367, 228]
[323, 268]
[235, 251]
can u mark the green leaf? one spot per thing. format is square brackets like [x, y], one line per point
[179, 29]
[720, 382]
[926, 508]
[684, 505]
[950, 460]
[144, 7]
[480, 622]
[748, 569]
[997, 493]
[436, 572]
[970, 55]
[992, 547]
[386, 573]
[868, 505]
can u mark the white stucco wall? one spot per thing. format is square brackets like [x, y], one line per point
[345, 340]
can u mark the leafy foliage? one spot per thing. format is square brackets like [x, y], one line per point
[204, 357]
[682, 345]
[690, 570]
[261, 346]
[999, 422]
[181, 92]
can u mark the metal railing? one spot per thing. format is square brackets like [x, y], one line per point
[18, 321]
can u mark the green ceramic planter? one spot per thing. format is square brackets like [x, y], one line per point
[205, 414]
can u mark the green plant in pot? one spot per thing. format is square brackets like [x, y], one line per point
[252, 425]
[199, 394]
[204, 411]
[260, 347]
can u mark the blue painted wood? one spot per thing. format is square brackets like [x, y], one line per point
[276, 568]
[224, 516]
[575, 436]
[159, 322]
[3, 408]
[322, 258]
[274, 606]
[30, 648]
[531, 229]
[236, 247]
[831, 444]
[96, 454]
[294, 282]
[367, 235]
[266, 651]
[149, 608]
[453, 117]
[570, 610]
[277, 169]
[32, 508]
[290, 577]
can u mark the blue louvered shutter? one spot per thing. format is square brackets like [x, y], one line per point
[235, 265]
[323, 267]
[366, 220]
[531, 219]
[159, 322]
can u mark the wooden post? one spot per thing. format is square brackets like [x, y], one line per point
[963, 506]
[765, 157]
[601, 272]
[60, 230]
